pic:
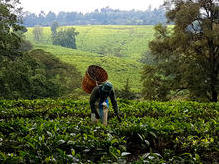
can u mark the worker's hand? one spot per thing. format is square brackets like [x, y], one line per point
[119, 119]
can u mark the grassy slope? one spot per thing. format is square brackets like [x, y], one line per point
[128, 41]
[101, 45]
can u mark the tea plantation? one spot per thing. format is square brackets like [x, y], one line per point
[118, 40]
[118, 69]
[117, 49]
[60, 131]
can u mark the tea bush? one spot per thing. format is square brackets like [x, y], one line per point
[60, 131]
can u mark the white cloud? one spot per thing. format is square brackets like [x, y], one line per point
[86, 5]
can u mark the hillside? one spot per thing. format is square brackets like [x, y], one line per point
[116, 48]
[120, 40]
[119, 69]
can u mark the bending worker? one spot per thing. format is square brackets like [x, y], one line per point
[99, 102]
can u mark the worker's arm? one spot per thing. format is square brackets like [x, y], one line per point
[113, 101]
[93, 98]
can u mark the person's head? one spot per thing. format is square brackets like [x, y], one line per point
[107, 87]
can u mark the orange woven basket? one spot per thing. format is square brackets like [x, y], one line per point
[93, 76]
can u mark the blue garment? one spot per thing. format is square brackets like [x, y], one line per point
[101, 108]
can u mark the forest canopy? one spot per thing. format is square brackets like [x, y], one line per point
[29, 74]
[104, 16]
[186, 56]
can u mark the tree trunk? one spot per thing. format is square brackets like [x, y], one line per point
[214, 68]
[214, 95]
[213, 85]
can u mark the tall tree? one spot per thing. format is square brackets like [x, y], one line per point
[38, 33]
[53, 28]
[10, 48]
[97, 17]
[9, 26]
[50, 17]
[66, 37]
[34, 74]
[187, 54]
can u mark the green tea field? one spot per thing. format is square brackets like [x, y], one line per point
[115, 48]
[118, 69]
[60, 131]
[120, 40]
[103, 82]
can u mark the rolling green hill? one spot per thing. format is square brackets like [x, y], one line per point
[115, 48]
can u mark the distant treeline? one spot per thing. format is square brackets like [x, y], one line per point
[104, 16]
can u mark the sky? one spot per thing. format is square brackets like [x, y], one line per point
[86, 5]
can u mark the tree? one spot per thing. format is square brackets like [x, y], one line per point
[29, 19]
[103, 16]
[126, 92]
[38, 33]
[29, 74]
[53, 28]
[155, 86]
[9, 26]
[10, 46]
[41, 18]
[187, 54]
[51, 77]
[37, 74]
[66, 37]
[50, 17]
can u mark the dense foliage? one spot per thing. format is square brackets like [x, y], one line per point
[9, 30]
[29, 74]
[65, 37]
[52, 77]
[104, 16]
[10, 48]
[186, 55]
[126, 93]
[37, 74]
[150, 132]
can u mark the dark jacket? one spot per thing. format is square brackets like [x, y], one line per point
[98, 94]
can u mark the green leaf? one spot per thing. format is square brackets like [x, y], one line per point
[153, 134]
[125, 154]
[3, 156]
[140, 137]
[147, 142]
[60, 142]
[114, 155]
[197, 157]
[73, 152]
[31, 145]
[49, 133]
[60, 151]
[114, 141]
[145, 155]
